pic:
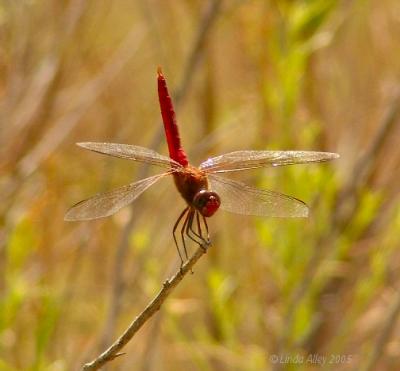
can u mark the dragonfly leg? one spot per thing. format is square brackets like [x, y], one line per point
[191, 233]
[199, 235]
[208, 233]
[174, 230]
[183, 229]
[189, 227]
[199, 230]
[183, 232]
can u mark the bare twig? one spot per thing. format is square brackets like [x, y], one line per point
[115, 349]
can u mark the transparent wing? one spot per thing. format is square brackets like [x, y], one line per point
[240, 198]
[131, 152]
[106, 204]
[242, 160]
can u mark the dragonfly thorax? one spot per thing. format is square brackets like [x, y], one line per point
[192, 184]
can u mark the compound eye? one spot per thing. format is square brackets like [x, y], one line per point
[207, 202]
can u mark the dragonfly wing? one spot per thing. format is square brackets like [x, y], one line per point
[106, 204]
[131, 152]
[243, 160]
[240, 198]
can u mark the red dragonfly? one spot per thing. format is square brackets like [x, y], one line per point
[201, 187]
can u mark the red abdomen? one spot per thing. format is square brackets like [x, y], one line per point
[176, 152]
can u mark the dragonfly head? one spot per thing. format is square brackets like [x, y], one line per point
[206, 202]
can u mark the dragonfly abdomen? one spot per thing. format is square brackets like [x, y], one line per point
[176, 151]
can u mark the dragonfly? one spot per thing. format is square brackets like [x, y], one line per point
[204, 188]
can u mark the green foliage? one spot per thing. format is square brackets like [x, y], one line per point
[221, 289]
[48, 317]
[23, 242]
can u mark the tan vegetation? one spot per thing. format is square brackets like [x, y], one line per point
[310, 75]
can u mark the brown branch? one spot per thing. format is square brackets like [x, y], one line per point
[115, 349]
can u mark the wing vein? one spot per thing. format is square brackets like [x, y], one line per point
[240, 198]
[108, 203]
[245, 160]
[131, 152]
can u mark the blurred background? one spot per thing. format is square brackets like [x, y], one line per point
[310, 75]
